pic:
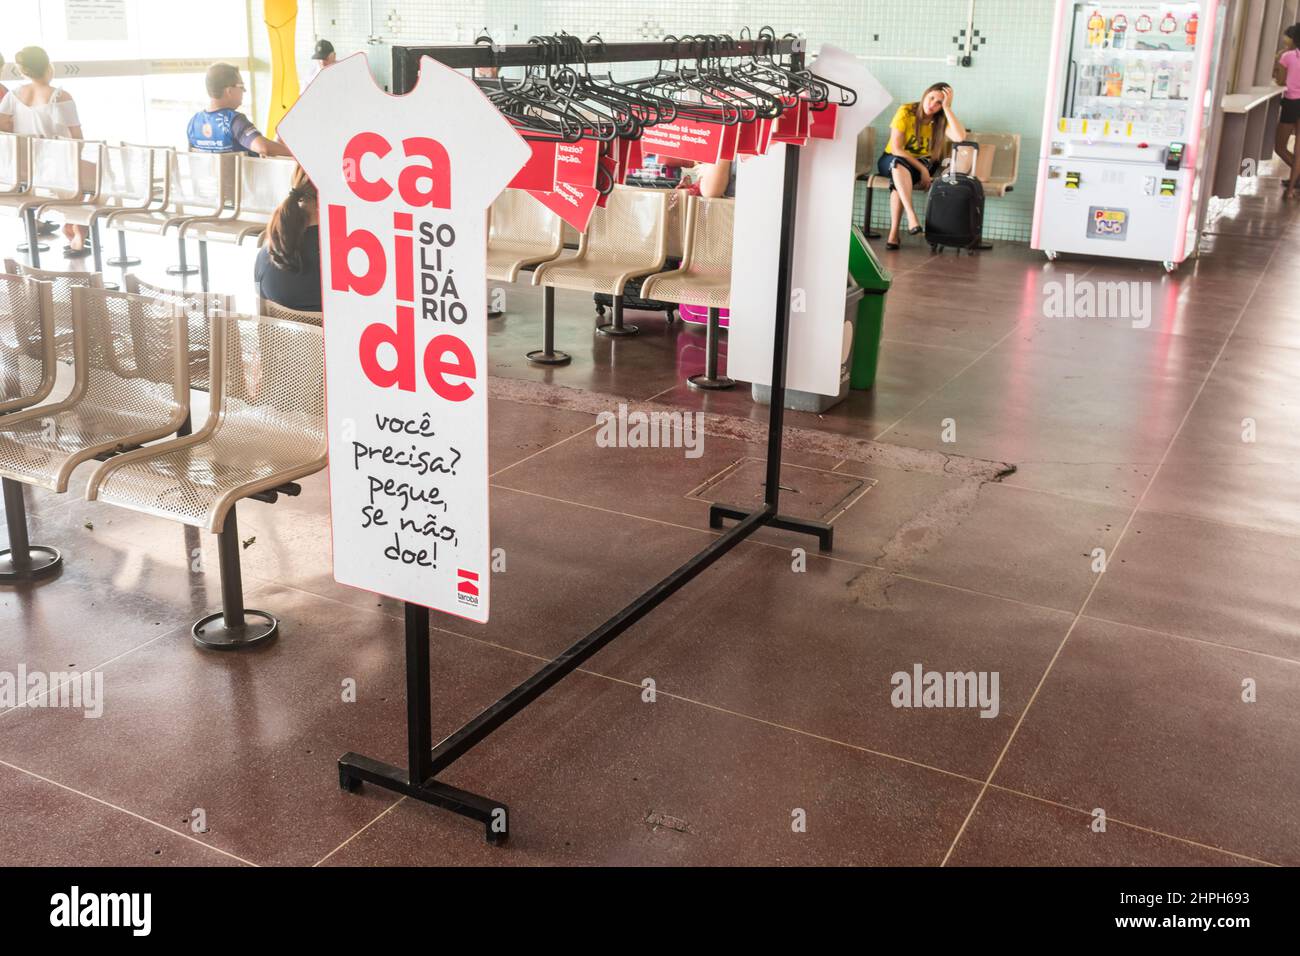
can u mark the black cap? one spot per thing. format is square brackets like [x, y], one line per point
[323, 49]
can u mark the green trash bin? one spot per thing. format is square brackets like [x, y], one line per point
[875, 280]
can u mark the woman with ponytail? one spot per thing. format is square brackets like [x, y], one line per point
[288, 265]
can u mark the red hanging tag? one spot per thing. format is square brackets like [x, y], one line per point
[573, 204]
[539, 171]
[694, 140]
[575, 163]
[823, 122]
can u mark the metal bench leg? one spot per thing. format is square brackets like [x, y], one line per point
[866, 218]
[122, 260]
[95, 250]
[34, 246]
[617, 327]
[181, 269]
[710, 379]
[547, 355]
[203, 265]
[234, 626]
[22, 560]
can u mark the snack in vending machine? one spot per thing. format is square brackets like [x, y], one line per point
[1168, 23]
[1190, 29]
[1096, 29]
[1137, 83]
[1115, 78]
[1118, 28]
[1143, 23]
[1162, 81]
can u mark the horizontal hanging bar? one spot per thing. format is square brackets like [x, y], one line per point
[406, 59]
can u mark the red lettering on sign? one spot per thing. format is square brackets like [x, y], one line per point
[436, 169]
[359, 146]
[437, 367]
[438, 172]
[342, 278]
[402, 340]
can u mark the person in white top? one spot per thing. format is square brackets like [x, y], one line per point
[39, 109]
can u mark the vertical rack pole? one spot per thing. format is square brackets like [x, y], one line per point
[781, 334]
[419, 712]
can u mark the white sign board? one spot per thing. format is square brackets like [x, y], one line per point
[404, 185]
[821, 245]
[102, 20]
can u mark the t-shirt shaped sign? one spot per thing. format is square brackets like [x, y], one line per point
[404, 185]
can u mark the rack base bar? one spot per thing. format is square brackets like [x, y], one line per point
[419, 782]
[495, 817]
[824, 533]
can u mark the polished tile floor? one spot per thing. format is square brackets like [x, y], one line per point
[1148, 714]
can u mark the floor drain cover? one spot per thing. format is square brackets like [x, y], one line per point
[805, 492]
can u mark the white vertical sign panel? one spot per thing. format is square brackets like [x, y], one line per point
[404, 185]
[821, 249]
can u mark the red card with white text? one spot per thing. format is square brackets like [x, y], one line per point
[695, 140]
[571, 203]
[575, 163]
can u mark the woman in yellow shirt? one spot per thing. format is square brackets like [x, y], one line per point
[918, 138]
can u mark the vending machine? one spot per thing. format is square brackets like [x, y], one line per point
[1127, 128]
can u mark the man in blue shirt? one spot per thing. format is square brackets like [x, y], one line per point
[221, 128]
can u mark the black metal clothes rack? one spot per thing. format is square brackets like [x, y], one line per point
[425, 759]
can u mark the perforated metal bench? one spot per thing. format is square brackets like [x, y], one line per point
[196, 187]
[704, 277]
[61, 284]
[27, 363]
[626, 239]
[274, 310]
[53, 172]
[265, 430]
[124, 183]
[131, 386]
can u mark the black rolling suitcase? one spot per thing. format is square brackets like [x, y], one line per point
[954, 214]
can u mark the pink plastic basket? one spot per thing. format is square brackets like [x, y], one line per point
[699, 315]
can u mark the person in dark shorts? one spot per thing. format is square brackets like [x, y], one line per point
[287, 270]
[918, 138]
[221, 128]
[1288, 124]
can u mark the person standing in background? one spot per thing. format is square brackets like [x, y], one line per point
[39, 109]
[321, 57]
[1288, 74]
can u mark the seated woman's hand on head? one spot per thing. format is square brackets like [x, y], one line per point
[918, 138]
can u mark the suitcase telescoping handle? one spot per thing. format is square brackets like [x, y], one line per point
[951, 172]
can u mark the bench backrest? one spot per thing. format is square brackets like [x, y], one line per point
[126, 176]
[631, 229]
[520, 223]
[135, 355]
[263, 185]
[27, 364]
[61, 286]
